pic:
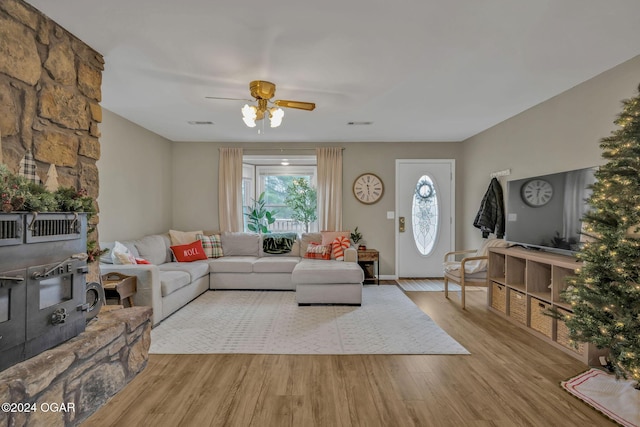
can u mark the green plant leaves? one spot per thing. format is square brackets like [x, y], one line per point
[259, 218]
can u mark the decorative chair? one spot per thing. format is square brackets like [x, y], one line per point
[470, 270]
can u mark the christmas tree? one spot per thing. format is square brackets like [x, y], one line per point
[605, 294]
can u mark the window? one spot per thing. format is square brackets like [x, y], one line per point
[424, 215]
[273, 180]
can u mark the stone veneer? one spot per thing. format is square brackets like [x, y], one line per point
[50, 93]
[82, 373]
[50, 89]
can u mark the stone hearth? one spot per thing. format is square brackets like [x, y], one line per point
[65, 385]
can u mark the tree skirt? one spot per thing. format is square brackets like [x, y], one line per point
[617, 399]
[271, 322]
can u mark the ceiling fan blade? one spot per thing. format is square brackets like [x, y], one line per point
[309, 106]
[230, 99]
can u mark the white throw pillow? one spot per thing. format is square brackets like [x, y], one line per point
[121, 255]
[183, 237]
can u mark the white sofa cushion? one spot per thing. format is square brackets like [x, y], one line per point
[234, 264]
[195, 269]
[275, 264]
[171, 281]
[152, 248]
[240, 244]
[321, 271]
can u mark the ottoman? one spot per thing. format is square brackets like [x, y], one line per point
[328, 282]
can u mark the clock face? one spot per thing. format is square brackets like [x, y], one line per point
[537, 192]
[368, 188]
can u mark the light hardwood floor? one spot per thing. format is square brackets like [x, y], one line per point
[510, 379]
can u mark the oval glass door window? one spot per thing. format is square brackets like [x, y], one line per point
[424, 215]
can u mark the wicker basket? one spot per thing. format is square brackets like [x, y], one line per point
[499, 297]
[540, 321]
[562, 335]
[518, 306]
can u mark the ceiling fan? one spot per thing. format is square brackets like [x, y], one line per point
[262, 92]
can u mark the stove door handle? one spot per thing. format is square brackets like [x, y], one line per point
[12, 278]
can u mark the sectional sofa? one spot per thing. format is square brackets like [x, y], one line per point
[167, 285]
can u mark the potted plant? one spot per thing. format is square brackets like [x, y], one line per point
[302, 199]
[356, 238]
[258, 217]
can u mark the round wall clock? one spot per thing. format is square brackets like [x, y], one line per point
[536, 192]
[368, 188]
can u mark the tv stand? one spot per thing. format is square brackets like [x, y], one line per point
[524, 284]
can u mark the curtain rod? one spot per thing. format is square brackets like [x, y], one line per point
[283, 149]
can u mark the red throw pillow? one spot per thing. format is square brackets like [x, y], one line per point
[187, 253]
[316, 251]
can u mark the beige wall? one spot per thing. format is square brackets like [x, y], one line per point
[137, 167]
[195, 185]
[380, 158]
[135, 180]
[560, 134]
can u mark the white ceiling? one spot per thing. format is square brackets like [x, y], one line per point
[420, 70]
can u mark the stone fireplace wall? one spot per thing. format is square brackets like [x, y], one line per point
[50, 90]
[65, 385]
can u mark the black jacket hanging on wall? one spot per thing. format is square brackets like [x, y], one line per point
[490, 217]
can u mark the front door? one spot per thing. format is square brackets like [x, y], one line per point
[425, 209]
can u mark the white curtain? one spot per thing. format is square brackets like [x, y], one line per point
[329, 188]
[575, 205]
[230, 189]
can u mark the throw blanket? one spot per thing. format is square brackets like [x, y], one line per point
[278, 243]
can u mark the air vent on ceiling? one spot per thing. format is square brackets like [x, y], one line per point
[359, 123]
[199, 122]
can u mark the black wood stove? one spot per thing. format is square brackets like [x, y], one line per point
[42, 282]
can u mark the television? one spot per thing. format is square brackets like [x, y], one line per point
[545, 212]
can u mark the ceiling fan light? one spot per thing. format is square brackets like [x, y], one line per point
[249, 114]
[276, 115]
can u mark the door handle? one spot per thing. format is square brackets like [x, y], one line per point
[401, 224]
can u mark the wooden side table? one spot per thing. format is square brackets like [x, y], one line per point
[368, 260]
[119, 286]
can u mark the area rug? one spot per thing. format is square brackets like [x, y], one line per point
[426, 286]
[617, 399]
[270, 322]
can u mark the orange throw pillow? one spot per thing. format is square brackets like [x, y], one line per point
[338, 246]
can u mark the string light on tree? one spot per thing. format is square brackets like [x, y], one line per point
[605, 294]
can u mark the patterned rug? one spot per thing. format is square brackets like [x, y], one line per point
[270, 322]
[617, 399]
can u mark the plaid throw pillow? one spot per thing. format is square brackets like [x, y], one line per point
[211, 244]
